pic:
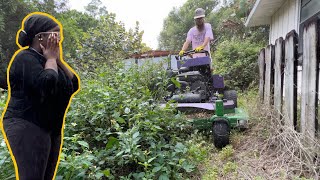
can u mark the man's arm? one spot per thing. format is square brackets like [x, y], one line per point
[185, 45]
[206, 41]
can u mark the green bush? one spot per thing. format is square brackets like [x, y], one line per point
[237, 61]
[6, 164]
[116, 129]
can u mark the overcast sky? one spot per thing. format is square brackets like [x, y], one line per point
[149, 13]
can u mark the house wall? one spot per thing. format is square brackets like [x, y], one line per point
[285, 19]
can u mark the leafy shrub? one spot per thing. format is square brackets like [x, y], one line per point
[116, 129]
[6, 164]
[237, 60]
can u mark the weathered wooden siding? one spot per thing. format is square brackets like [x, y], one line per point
[261, 62]
[278, 75]
[269, 76]
[310, 79]
[290, 75]
[284, 20]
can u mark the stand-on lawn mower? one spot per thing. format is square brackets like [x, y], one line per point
[194, 87]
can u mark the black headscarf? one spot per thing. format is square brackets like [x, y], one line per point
[33, 25]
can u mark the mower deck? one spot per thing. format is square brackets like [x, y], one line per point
[206, 106]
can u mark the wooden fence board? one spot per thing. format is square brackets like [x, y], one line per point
[261, 62]
[278, 75]
[269, 72]
[309, 84]
[290, 86]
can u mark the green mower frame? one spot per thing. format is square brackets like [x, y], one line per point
[222, 122]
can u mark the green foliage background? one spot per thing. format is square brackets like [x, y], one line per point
[120, 130]
[227, 19]
[114, 127]
[236, 60]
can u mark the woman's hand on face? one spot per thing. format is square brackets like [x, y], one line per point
[51, 51]
[59, 59]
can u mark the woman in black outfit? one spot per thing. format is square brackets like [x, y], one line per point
[41, 87]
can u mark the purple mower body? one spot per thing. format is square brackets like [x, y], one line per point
[194, 87]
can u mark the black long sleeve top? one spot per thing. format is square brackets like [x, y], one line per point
[39, 95]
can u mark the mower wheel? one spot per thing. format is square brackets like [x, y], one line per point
[231, 95]
[221, 132]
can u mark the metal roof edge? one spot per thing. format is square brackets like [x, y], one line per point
[251, 13]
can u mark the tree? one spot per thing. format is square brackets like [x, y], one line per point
[227, 21]
[179, 21]
[236, 60]
[95, 8]
[104, 41]
[133, 42]
[11, 15]
[52, 7]
[75, 29]
[238, 47]
[109, 42]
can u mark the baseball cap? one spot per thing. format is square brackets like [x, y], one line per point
[199, 13]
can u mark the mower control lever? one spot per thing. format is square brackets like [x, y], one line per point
[189, 53]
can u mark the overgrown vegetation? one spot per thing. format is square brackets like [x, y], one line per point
[116, 130]
[91, 37]
[120, 131]
[234, 54]
[236, 61]
[266, 150]
[6, 165]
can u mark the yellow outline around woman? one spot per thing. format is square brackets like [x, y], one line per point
[41, 86]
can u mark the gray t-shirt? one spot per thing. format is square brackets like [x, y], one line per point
[197, 37]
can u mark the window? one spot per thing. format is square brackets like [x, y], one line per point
[310, 9]
[304, 2]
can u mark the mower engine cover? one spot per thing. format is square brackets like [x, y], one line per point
[218, 81]
[191, 76]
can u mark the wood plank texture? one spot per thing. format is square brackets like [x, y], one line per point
[269, 72]
[290, 86]
[278, 76]
[261, 61]
[310, 78]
